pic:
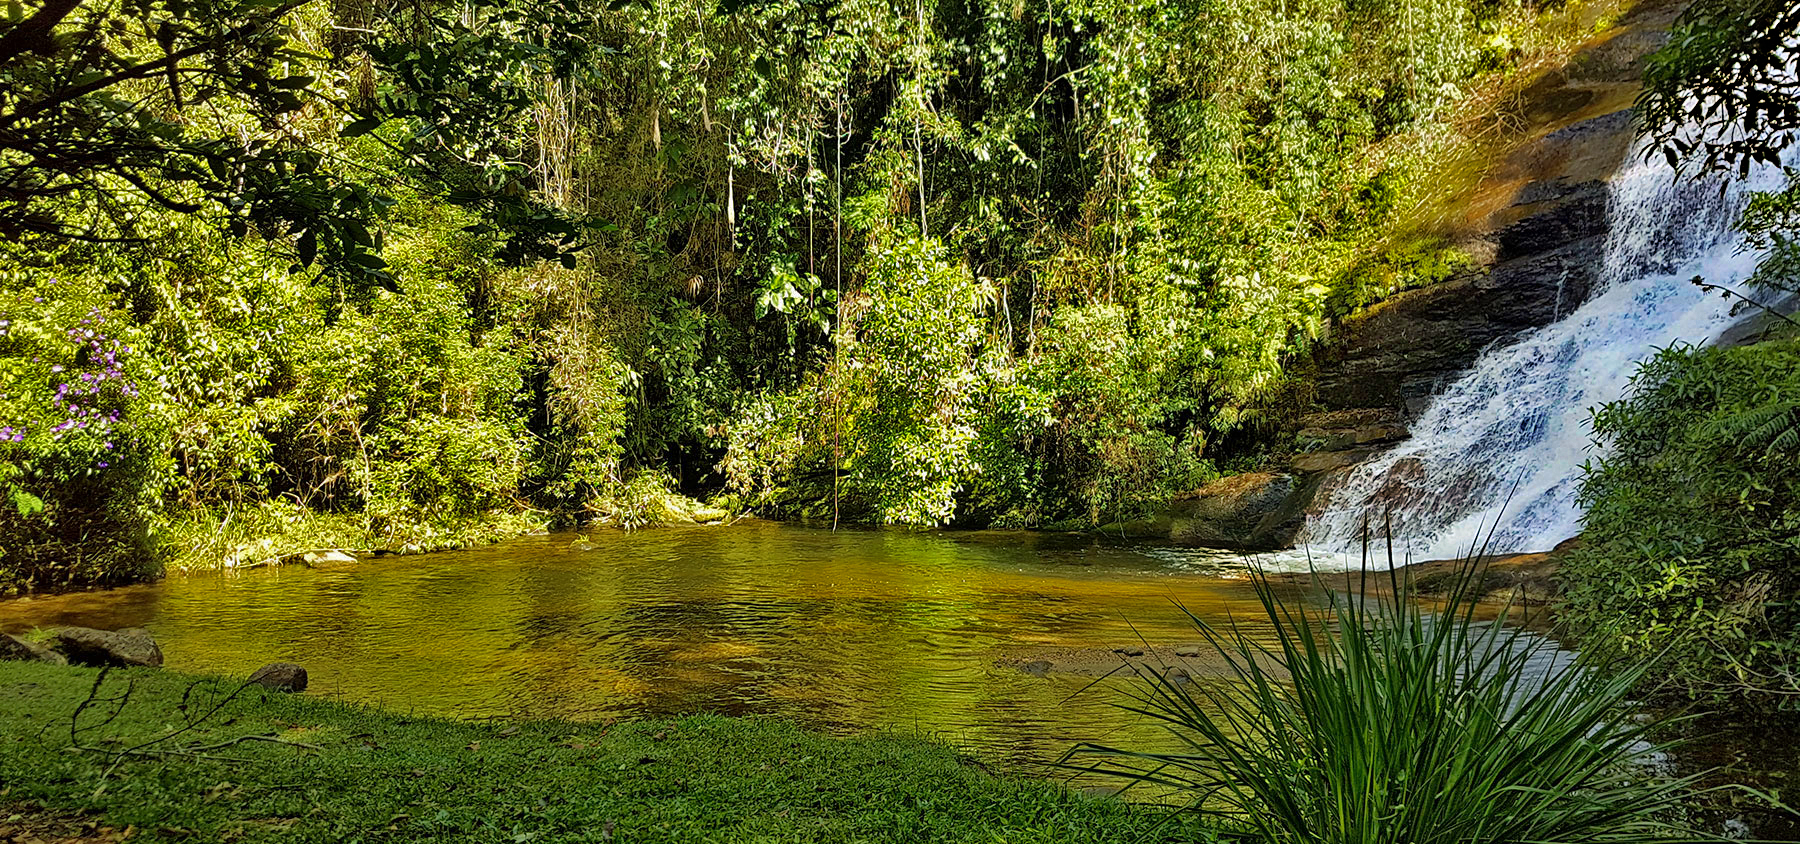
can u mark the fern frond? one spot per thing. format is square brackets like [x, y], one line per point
[1773, 427]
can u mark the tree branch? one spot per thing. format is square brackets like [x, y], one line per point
[1703, 285]
[32, 35]
[145, 69]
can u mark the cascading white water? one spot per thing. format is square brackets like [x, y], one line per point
[1501, 449]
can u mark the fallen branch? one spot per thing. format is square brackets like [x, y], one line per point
[148, 748]
[198, 751]
[153, 754]
[242, 739]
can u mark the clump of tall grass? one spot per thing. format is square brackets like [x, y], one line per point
[1372, 720]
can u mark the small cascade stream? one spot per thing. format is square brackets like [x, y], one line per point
[1501, 449]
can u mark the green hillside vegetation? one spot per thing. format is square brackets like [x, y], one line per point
[350, 274]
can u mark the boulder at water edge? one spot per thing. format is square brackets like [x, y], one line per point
[281, 676]
[132, 646]
[18, 650]
[1256, 511]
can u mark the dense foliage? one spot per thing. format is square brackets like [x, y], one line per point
[363, 274]
[1722, 93]
[1722, 96]
[1691, 549]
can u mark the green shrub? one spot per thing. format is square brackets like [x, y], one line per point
[74, 490]
[1691, 543]
[892, 420]
[1379, 722]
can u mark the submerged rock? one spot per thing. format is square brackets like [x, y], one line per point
[280, 676]
[1036, 667]
[133, 646]
[16, 649]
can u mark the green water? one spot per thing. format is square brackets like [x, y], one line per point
[846, 631]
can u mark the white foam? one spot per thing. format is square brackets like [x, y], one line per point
[1502, 447]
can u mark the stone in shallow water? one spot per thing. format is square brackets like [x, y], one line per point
[281, 676]
[18, 650]
[126, 648]
[326, 559]
[1188, 650]
[1036, 667]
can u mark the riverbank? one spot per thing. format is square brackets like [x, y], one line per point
[320, 770]
[283, 533]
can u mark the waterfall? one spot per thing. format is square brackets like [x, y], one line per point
[1502, 447]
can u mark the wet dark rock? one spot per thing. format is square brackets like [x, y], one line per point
[1331, 461]
[16, 649]
[1253, 511]
[1537, 231]
[280, 676]
[133, 646]
[1758, 324]
[1188, 650]
[1036, 667]
[1178, 675]
[1132, 650]
[1340, 439]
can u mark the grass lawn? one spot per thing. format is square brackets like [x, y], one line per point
[366, 775]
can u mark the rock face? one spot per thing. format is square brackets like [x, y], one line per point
[1541, 266]
[132, 646]
[1521, 580]
[18, 650]
[1254, 512]
[1535, 223]
[280, 676]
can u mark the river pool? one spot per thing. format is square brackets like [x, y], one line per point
[844, 630]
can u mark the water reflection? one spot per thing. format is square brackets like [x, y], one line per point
[845, 631]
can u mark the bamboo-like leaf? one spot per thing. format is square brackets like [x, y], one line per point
[1374, 721]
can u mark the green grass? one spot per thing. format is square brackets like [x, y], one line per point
[378, 776]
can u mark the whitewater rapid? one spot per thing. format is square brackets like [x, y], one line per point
[1501, 449]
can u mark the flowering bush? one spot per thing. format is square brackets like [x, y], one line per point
[65, 421]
